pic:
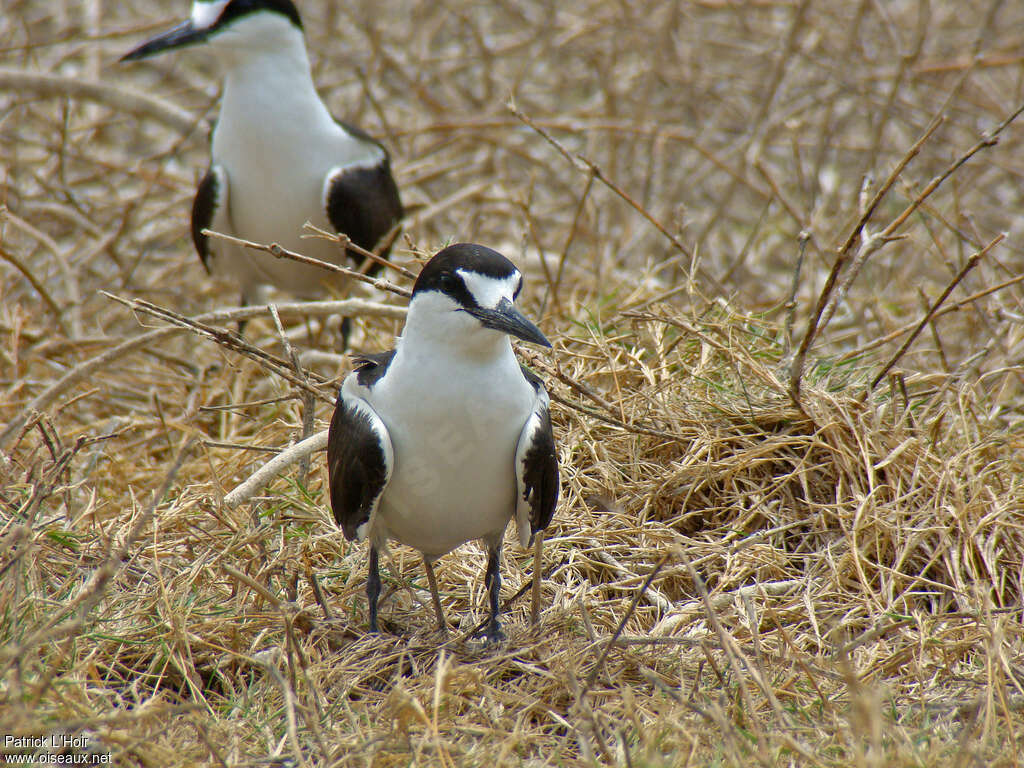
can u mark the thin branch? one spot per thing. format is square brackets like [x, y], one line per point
[122, 99]
[85, 370]
[790, 306]
[955, 307]
[227, 339]
[751, 148]
[63, 264]
[592, 677]
[797, 366]
[988, 139]
[570, 237]
[868, 246]
[306, 396]
[971, 264]
[588, 166]
[56, 311]
[259, 479]
[254, 585]
[277, 251]
[346, 243]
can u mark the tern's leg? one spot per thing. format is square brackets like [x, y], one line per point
[243, 301]
[373, 587]
[442, 625]
[344, 332]
[492, 580]
[538, 548]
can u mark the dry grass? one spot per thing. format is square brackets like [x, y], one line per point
[740, 570]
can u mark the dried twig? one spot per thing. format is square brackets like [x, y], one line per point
[345, 243]
[44, 294]
[790, 305]
[308, 400]
[121, 99]
[257, 481]
[592, 169]
[599, 664]
[988, 139]
[954, 307]
[228, 340]
[843, 254]
[967, 267]
[278, 252]
[83, 371]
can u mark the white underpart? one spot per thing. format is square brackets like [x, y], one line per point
[277, 143]
[205, 14]
[488, 291]
[455, 403]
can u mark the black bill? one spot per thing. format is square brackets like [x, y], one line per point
[185, 33]
[507, 319]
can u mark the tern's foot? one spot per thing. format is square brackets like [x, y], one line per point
[492, 634]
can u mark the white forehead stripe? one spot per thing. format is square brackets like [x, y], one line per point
[488, 291]
[206, 12]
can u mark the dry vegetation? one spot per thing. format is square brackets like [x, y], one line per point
[740, 571]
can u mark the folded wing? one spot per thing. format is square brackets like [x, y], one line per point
[536, 467]
[360, 458]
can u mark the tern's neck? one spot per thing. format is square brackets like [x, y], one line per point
[260, 83]
[450, 346]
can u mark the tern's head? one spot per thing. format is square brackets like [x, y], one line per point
[231, 27]
[465, 295]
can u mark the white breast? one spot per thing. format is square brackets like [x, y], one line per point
[277, 142]
[454, 430]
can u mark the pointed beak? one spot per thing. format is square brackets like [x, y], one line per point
[185, 33]
[507, 319]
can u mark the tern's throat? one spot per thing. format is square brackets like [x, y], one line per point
[453, 339]
[267, 72]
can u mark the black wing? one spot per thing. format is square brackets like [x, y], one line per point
[536, 467]
[362, 201]
[368, 368]
[211, 198]
[359, 461]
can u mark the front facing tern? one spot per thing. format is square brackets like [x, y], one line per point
[446, 438]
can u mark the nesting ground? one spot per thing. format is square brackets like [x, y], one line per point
[776, 245]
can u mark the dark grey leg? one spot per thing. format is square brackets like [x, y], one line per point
[373, 587]
[345, 331]
[538, 548]
[442, 625]
[243, 301]
[492, 580]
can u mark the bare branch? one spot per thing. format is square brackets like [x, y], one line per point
[258, 480]
[283, 253]
[971, 264]
[122, 99]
